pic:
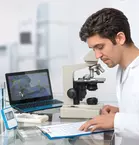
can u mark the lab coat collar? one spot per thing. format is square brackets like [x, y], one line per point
[132, 65]
[119, 84]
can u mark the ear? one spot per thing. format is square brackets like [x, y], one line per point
[120, 38]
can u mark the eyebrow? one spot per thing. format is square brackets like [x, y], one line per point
[95, 46]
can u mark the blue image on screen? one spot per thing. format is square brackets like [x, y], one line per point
[29, 86]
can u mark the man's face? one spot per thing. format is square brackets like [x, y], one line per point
[104, 49]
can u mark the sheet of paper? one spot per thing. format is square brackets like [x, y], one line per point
[60, 130]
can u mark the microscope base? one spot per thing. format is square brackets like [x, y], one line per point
[80, 111]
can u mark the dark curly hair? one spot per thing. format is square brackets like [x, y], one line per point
[106, 22]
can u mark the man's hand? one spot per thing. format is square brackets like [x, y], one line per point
[99, 122]
[109, 109]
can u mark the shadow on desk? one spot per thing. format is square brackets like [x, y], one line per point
[112, 140]
[95, 139]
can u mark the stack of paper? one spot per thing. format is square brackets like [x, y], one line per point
[31, 118]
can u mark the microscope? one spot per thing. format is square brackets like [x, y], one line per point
[76, 90]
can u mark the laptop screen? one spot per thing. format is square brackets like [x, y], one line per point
[29, 86]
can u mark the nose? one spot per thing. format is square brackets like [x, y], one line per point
[98, 54]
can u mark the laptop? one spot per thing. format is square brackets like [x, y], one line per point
[31, 91]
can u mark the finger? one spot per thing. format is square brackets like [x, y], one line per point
[111, 112]
[104, 112]
[85, 126]
[106, 106]
[100, 111]
[89, 124]
[95, 127]
[82, 127]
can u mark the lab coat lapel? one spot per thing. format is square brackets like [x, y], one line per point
[118, 86]
[126, 73]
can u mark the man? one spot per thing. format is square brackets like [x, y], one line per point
[107, 33]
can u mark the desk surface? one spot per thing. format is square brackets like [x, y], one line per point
[32, 136]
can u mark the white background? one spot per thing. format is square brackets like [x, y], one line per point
[65, 19]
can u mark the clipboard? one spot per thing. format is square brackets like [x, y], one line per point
[67, 130]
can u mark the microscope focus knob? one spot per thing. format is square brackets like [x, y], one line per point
[92, 101]
[71, 93]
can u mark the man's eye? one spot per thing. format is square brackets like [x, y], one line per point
[100, 47]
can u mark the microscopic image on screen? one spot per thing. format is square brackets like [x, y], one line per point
[27, 86]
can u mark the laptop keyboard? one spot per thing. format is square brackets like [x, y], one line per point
[38, 104]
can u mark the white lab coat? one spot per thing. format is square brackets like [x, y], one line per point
[126, 122]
